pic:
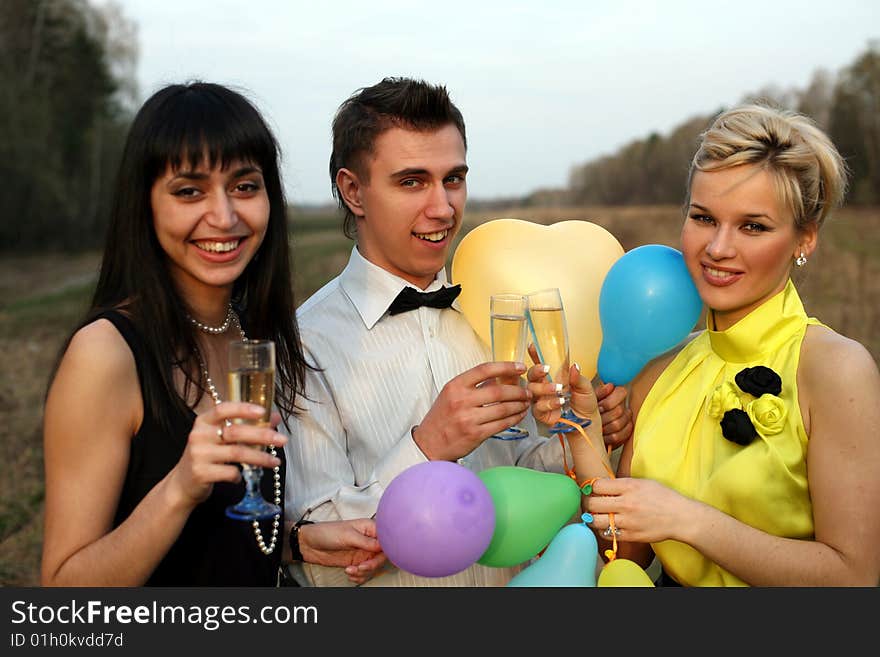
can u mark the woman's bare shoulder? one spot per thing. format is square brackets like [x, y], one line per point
[101, 344]
[97, 358]
[829, 359]
[97, 376]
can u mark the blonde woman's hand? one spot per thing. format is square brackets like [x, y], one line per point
[547, 396]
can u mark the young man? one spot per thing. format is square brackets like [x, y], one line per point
[398, 384]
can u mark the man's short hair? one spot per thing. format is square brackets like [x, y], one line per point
[370, 111]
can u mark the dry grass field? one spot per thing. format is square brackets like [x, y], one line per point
[42, 296]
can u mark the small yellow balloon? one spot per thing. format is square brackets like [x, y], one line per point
[623, 572]
[518, 256]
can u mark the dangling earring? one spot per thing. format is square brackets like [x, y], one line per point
[801, 260]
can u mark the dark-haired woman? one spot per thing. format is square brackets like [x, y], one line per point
[140, 458]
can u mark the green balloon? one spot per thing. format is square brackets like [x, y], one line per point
[530, 509]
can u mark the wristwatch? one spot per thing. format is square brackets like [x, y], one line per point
[293, 539]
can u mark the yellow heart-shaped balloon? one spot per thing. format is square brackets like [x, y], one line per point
[517, 256]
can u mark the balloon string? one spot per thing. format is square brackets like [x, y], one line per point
[580, 430]
[611, 554]
[569, 471]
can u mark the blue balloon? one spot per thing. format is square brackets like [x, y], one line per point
[569, 560]
[648, 304]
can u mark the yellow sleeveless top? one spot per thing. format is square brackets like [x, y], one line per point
[678, 439]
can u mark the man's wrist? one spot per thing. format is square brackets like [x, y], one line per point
[293, 540]
[419, 444]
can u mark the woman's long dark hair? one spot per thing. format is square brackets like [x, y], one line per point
[191, 124]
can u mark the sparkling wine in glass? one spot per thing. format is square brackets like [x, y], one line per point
[546, 316]
[252, 379]
[509, 334]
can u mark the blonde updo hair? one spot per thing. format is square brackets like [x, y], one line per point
[810, 174]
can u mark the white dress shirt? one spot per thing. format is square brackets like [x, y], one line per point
[379, 375]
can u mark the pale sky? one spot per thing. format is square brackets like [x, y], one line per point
[543, 85]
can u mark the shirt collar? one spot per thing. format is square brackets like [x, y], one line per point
[761, 331]
[371, 289]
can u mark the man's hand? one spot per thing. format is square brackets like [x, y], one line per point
[351, 544]
[470, 408]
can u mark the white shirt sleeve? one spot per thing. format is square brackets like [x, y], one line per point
[321, 483]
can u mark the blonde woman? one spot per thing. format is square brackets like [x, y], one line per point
[756, 446]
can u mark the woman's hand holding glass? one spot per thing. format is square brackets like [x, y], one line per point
[591, 460]
[252, 379]
[214, 448]
[550, 347]
[547, 400]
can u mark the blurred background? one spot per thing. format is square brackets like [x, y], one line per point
[574, 110]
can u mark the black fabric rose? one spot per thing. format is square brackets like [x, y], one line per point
[759, 381]
[737, 427]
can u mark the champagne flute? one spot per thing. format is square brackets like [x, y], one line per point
[546, 316]
[252, 379]
[508, 332]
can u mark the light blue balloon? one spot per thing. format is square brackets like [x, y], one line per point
[648, 304]
[619, 364]
[569, 560]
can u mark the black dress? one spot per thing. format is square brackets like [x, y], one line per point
[212, 550]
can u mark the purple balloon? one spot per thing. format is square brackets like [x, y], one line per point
[435, 519]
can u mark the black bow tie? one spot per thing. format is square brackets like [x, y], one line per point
[410, 299]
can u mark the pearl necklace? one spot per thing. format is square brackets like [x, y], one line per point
[215, 330]
[276, 521]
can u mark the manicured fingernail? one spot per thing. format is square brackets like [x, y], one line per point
[558, 388]
[545, 368]
[587, 517]
[577, 367]
[520, 367]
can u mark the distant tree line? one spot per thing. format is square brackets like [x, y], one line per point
[652, 170]
[67, 91]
